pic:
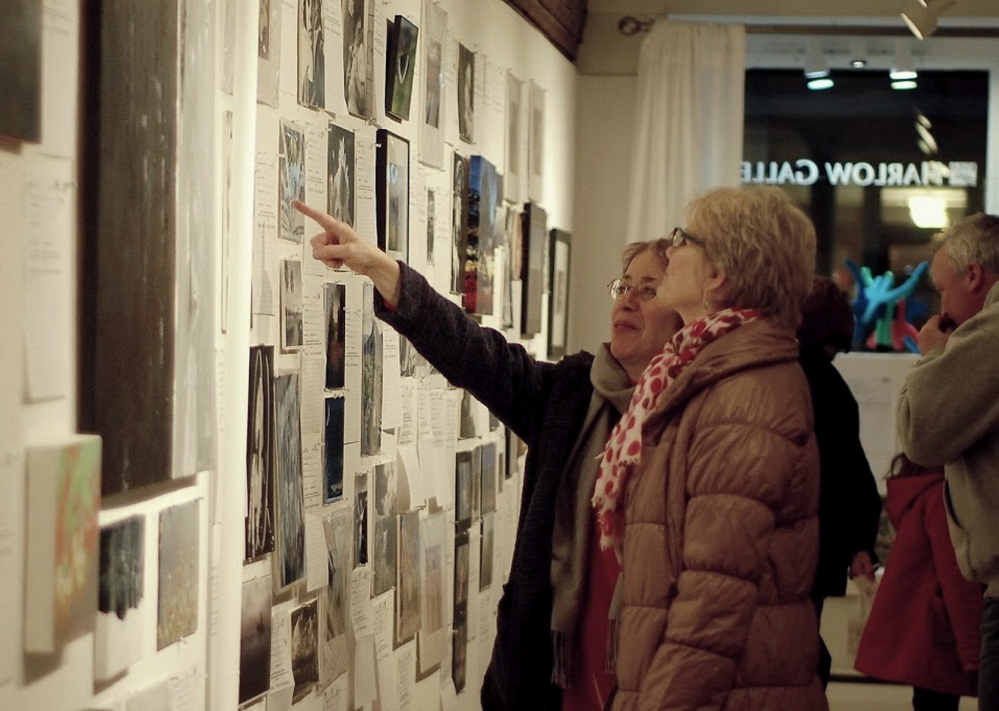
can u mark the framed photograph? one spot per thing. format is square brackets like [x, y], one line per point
[255, 639]
[511, 178]
[459, 221]
[463, 488]
[177, 599]
[385, 550]
[535, 242]
[558, 300]
[311, 54]
[536, 143]
[292, 331]
[118, 633]
[409, 583]
[484, 189]
[466, 93]
[289, 559]
[340, 168]
[372, 375]
[333, 450]
[260, 455]
[431, 147]
[291, 183]
[21, 70]
[360, 519]
[358, 56]
[392, 193]
[335, 306]
[400, 65]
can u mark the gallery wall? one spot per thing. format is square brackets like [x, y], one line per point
[377, 656]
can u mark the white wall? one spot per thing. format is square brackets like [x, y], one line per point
[212, 654]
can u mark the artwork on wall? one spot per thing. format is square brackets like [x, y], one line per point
[408, 358]
[466, 93]
[431, 641]
[431, 224]
[536, 143]
[333, 450]
[466, 415]
[459, 220]
[400, 66]
[304, 649]
[290, 545]
[487, 542]
[558, 301]
[268, 51]
[255, 639]
[311, 54]
[292, 327]
[21, 70]
[476, 483]
[149, 253]
[291, 182]
[119, 632]
[408, 585]
[357, 57]
[484, 189]
[384, 550]
[62, 553]
[392, 193]
[431, 148]
[463, 487]
[340, 166]
[361, 519]
[371, 376]
[177, 608]
[260, 455]
[535, 242]
[335, 307]
[511, 454]
[333, 651]
[460, 613]
[511, 177]
[488, 478]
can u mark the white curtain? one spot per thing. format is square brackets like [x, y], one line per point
[688, 119]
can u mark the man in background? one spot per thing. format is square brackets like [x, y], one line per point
[948, 413]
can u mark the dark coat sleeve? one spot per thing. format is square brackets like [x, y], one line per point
[849, 503]
[501, 375]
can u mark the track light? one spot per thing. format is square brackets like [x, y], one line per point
[922, 16]
[820, 83]
[904, 68]
[816, 65]
[904, 85]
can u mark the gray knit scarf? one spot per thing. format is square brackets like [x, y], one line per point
[612, 391]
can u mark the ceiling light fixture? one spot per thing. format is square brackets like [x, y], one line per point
[858, 50]
[921, 16]
[820, 83]
[904, 85]
[816, 65]
[904, 67]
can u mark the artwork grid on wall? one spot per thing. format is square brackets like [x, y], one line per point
[392, 193]
[400, 66]
[560, 247]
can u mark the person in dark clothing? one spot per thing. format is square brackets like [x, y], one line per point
[547, 641]
[849, 503]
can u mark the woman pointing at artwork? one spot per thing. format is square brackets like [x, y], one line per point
[552, 626]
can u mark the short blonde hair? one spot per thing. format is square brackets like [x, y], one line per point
[657, 246]
[763, 242]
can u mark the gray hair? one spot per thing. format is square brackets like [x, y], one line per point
[973, 239]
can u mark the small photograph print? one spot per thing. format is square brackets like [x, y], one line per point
[360, 519]
[459, 221]
[372, 365]
[292, 330]
[260, 455]
[333, 659]
[409, 358]
[486, 554]
[392, 193]
[463, 488]
[356, 56]
[118, 634]
[341, 168]
[264, 30]
[431, 223]
[458, 656]
[461, 567]
[466, 93]
[433, 76]
[385, 529]
[177, 610]
[433, 586]
[335, 306]
[476, 483]
[488, 478]
[333, 450]
[311, 54]
[291, 179]
[400, 65]
[304, 649]
[407, 621]
[290, 558]
[255, 639]
[466, 427]
[21, 70]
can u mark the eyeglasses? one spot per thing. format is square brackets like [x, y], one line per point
[619, 287]
[679, 237]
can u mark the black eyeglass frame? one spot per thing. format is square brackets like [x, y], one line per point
[679, 237]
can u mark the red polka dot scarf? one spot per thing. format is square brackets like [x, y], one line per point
[624, 448]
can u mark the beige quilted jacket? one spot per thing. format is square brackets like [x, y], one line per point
[721, 537]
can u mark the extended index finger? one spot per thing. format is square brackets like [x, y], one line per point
[325, 221]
